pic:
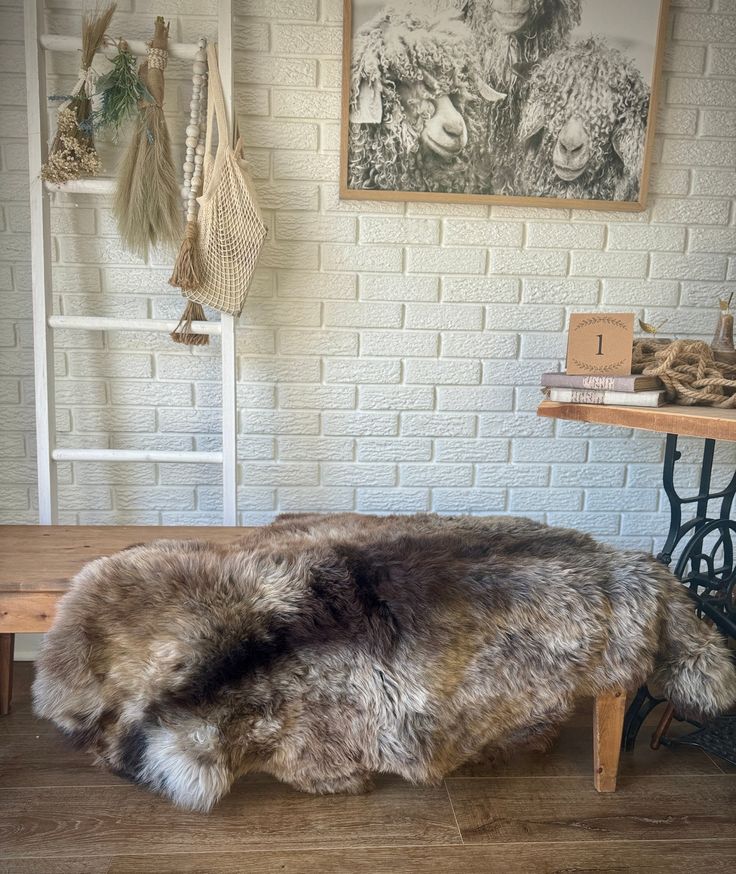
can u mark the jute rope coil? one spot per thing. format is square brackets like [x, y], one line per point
[690, 373]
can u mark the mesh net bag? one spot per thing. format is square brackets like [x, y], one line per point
[231, 231]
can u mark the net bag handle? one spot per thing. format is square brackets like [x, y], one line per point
[215, 110]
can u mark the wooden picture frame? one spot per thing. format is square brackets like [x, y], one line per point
[484, 182]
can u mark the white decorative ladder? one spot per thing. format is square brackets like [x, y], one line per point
[44, 322]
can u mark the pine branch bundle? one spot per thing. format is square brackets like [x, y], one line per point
[72, 153]
[120, 90]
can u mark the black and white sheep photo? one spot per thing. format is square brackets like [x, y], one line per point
[516, 100]
[512, 37]
[583, 127]
[417, 121]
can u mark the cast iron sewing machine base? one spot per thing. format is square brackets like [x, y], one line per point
[706, 566]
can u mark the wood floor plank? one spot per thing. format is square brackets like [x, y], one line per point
[73, 865]
[623, 857]
[569, 809]
[118, 819]
[572, 756]
[32, 760]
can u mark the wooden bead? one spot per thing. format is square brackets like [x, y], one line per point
[191, 142]
[188, 167]
[200, 149]
[198, 159]
[199, 67]
[197, 79]
[192, 130]
[185, 192]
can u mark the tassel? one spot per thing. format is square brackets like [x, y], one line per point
[183, 333]
[186, 271]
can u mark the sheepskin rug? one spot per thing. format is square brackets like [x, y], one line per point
[324, 649]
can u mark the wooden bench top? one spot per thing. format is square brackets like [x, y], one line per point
[708, 422]
[43, 558]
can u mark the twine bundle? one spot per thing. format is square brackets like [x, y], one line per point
[690, 373]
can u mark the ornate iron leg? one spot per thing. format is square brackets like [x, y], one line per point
[705, 564]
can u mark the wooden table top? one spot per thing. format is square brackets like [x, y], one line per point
[43, 558]
[708, 422]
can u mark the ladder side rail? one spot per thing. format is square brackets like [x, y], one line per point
[229, 339]
[43, 348]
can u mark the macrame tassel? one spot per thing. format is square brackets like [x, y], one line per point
[186, 271]
[183, 333]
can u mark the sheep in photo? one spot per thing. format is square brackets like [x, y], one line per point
[583, 126]
[513, 35]
[512, 38]
[416, 96]
[327, 649]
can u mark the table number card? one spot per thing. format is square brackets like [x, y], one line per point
[600, 343]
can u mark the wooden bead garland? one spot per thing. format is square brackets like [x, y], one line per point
[186, 269]
[195, 133]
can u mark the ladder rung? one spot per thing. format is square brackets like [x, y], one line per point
[93, 185]
[185, 456]
[105, 323]
[54, 43]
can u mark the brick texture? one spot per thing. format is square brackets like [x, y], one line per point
[389, 353]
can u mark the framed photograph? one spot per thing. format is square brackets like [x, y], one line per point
[519, 102]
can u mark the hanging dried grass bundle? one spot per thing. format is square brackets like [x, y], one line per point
[147, 198]
[72, 153]
[120, 92]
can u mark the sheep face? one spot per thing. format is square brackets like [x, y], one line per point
[572, 151]
[416, 121]
[511, 16]
[582, 128]
[438, 118]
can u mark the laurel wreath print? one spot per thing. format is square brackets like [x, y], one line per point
[583, 365]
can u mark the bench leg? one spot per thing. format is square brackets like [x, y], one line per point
[7, 644]
[608, 726]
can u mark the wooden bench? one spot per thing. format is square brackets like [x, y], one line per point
[37, 562]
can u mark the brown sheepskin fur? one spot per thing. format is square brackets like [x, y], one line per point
[324, 649]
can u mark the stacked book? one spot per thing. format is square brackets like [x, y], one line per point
[633, 390]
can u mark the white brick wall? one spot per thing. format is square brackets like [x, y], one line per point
[390, 352]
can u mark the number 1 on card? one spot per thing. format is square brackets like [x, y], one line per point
[600, 344]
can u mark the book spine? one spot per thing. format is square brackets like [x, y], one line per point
[588, 396]
[596, 383]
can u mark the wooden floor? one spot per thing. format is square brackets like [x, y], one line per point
[675, 810]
